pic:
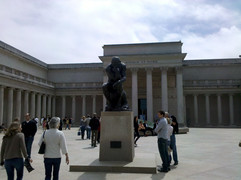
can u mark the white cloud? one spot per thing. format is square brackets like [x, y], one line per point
[223, 44]
[74, 31]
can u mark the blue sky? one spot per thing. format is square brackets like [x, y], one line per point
[74, 31]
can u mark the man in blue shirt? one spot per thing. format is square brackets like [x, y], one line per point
[161, 130]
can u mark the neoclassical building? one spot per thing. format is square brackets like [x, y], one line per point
[200, 93]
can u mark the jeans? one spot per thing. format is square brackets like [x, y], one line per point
[88, 130]
[50, 163]
[163, 150]
[174, 148]
[29, 142]
[82, 131]
[15, 163]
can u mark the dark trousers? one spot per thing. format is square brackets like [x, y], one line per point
[94, 137]
[136, 136]
[163, 150]
[28, 143]
[173, 147]
[49, 164]
[82, 132]
[11, 164]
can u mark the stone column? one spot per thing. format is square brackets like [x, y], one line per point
[38, 109]
[83, 105]
[10, 106]
[195, 109]
[44, 106]
[231, 116]
[63, 106]
[1, 103]
[207, 109]
[105, 79]
[53, 106]
[26, 97]
[73, 108]
[184, 109]
[32, 108]
[149, 94]
[49, 105]
[134, 92]
[219, 109]
[179, 86]
[18, 102]
[94, 104]
[164, 89]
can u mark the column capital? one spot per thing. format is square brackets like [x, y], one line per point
[178, 68]
[164, 68]
[18, 89]
[148, 69]
[134, 70]
[207, 94]
[83, 96]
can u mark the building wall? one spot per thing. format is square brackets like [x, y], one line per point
[83, 83]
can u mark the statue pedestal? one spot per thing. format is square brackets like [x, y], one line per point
[117, 136]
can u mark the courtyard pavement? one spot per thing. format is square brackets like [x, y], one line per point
[205, 154]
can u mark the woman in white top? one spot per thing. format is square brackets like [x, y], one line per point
[54, 140]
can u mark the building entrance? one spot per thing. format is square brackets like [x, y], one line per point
[142, 110]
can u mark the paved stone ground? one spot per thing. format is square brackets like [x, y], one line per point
[203, 154]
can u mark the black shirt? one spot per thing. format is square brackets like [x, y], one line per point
[29, 128]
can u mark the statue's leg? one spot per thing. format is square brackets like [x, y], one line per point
[124, 103]
[106, 91]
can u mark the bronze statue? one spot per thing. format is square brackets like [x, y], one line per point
[113, 90]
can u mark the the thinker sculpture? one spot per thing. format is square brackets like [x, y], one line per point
[113, 90]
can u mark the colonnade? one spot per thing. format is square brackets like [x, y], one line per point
[207, 108]
[17, 102]
[164, 92]
[33, 102]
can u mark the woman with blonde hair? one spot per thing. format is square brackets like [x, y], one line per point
[12, 151]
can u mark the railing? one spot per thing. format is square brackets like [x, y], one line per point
[206, 83]
[14, 73]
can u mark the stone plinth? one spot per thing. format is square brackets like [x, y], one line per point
[117, 136]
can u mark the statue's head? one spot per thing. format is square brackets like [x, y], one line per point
[115, 61]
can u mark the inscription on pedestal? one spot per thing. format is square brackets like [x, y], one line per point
[115, 144]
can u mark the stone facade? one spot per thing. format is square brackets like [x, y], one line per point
[198, 92]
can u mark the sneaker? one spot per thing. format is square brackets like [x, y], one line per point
[162, 170]
[176, 163]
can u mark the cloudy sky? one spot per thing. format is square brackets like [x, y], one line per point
[74, 31]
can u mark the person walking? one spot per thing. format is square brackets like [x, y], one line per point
[55, 141]
[136, 130]
[94, 124]
[88, 128]
[13, 150]
[162, 133]
[83, 124]
[29, 130]
[173, 140]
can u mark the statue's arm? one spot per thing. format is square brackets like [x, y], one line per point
[123, 75]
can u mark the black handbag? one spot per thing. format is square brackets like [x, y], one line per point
[42, 147]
